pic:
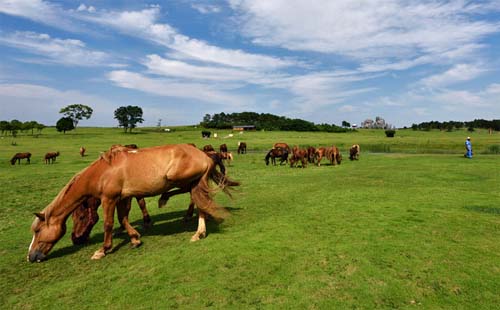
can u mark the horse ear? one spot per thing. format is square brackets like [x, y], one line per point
[40, 215]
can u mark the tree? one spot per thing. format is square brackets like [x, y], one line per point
[65, 124]
[128, 117]
[76, 112]
[346, 124]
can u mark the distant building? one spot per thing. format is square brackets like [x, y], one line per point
[244, 127]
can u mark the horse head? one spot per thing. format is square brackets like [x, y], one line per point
[45, 236]
[84, 219]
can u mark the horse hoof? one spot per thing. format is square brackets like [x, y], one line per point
[195, 238]
[136, 244]
[98, 255]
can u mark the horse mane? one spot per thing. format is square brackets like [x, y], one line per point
[111, 154]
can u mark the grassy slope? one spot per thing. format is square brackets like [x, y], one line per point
[389, 231]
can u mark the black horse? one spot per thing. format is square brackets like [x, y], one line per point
[282, 154]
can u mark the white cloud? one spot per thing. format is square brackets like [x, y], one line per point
[62, 51]
[84, 8]
[175, 68]
[173, 88]
[458, 73]
[40, 11]
[363, 30]
[144, 24]
[206, 8]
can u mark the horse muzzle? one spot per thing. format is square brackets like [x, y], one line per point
[36, 256]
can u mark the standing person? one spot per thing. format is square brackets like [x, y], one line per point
[468, 148]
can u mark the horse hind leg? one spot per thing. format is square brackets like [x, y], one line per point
[146, 219]
[201, 232]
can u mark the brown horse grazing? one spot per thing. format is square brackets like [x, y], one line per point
[18, 156]
[118, 175]
[282, 154]
[50, 157]
[319, 154]
[333, 155]
[282, 145]
[311, 154]
[242, 148]
[85, 217]
[354, 152]
[82, 151]
[298, 155]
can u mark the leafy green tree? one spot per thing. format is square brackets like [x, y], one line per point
[65, 124]
[346, 124]
[128, 117]
[77, 112]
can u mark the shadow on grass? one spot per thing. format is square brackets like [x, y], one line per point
[484, 209]
[164, 224]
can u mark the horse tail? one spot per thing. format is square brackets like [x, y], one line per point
[218, 161]
[201, 193]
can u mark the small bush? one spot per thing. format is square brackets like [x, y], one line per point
[390, 133]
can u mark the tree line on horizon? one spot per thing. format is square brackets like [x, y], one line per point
[452, 125]
[266, 121]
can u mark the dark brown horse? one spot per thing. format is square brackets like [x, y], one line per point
[354, 152]
[118, 175]
[282, 154]
[18, 156]
[311, 154]
[208, 148]
[85, 217]
[82, 151]
[50, 157]
[242, 148]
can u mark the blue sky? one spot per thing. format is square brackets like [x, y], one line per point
[322, 61]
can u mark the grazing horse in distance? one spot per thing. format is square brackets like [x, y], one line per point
[18, 156]
[319, 154]
[282, 154]
[82, 151]
[298, 155]
[354, 152]
[311, 154]
[121, 174]
[85, 217]
[208, 148]
[333, 155]
[242, 148]
[223, 148]
[282, 145]
[50, 157]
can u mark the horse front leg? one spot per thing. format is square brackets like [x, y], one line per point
[123, 209]
[108, 206]
[201, 232]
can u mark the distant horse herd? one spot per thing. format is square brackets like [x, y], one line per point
[124, 172]
[309, 155]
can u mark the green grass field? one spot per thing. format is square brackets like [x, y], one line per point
[411, 224]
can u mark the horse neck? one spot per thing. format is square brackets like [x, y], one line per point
[69, 198]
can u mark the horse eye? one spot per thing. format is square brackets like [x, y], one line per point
[82, 217]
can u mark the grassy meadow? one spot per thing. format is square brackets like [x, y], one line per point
[412, 224]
